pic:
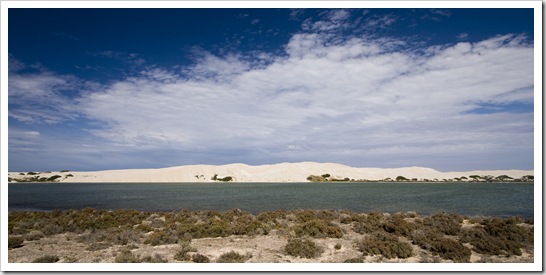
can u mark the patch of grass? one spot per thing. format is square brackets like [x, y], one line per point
[47, 259]
[303, 248]
[381, 243]
[15, 242]
[318, 229]
[232, 257]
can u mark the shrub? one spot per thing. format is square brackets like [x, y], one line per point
[354, 260]
[337, 246]
[248, 225]
[47, 259]
[318, 229]
[53, 178]
[157, 258]
[446, 248]
[182, 254]
[126, 256]
[15, 242]
[34, 235]
[303, 248]
[449, 224]
[369, 223]
[97, 246]
[398, 226]
[161, 237]
[198, 258]
[381, 243]
[232, 257]
[484, 243]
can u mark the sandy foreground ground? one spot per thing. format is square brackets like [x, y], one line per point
[282, 172]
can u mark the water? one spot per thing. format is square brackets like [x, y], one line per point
[488, 199]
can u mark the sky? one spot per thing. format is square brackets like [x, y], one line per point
[95, 89]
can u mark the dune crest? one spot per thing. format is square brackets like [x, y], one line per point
[282, 172]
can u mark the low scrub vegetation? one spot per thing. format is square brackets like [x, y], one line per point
[318, 229]
[388, 245]
[303, 248]
[15, 242]
[47, 259]
[441, 235]
[232, 257]
[447, 248]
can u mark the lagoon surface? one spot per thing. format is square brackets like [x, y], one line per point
[487, 199]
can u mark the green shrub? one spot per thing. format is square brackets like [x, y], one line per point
[449, 224]
[210, 228]
[398, 226]
[182, 254]
[126, 256]
[161, 237]
[318, 229]
[483, 243]
[381, 243]
[248, 225]
[15, 242]
[157, 258]
[271, 216]
[446, 248]
[354, 260]
[508, 230]
[47, 259]
[52, 229]
[303, 248]
[232, 257]
[53, 178]
[198, 258]
[369, 223]
[97, 246]
[34, 235]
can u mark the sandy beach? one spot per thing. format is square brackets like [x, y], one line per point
[282, 172]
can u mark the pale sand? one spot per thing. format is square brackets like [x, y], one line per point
[282, 172]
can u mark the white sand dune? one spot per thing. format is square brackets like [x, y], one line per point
[282, 172]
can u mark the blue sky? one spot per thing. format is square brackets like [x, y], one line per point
[93, 89]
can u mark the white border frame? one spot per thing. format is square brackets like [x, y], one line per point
[538, 74]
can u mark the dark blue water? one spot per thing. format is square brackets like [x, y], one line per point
[488, 199]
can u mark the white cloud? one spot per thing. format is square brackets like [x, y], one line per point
[38, 97]
[358, 100]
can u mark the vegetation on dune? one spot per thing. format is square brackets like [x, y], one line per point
[470, 178]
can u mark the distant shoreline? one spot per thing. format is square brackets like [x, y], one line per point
[282, 172]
